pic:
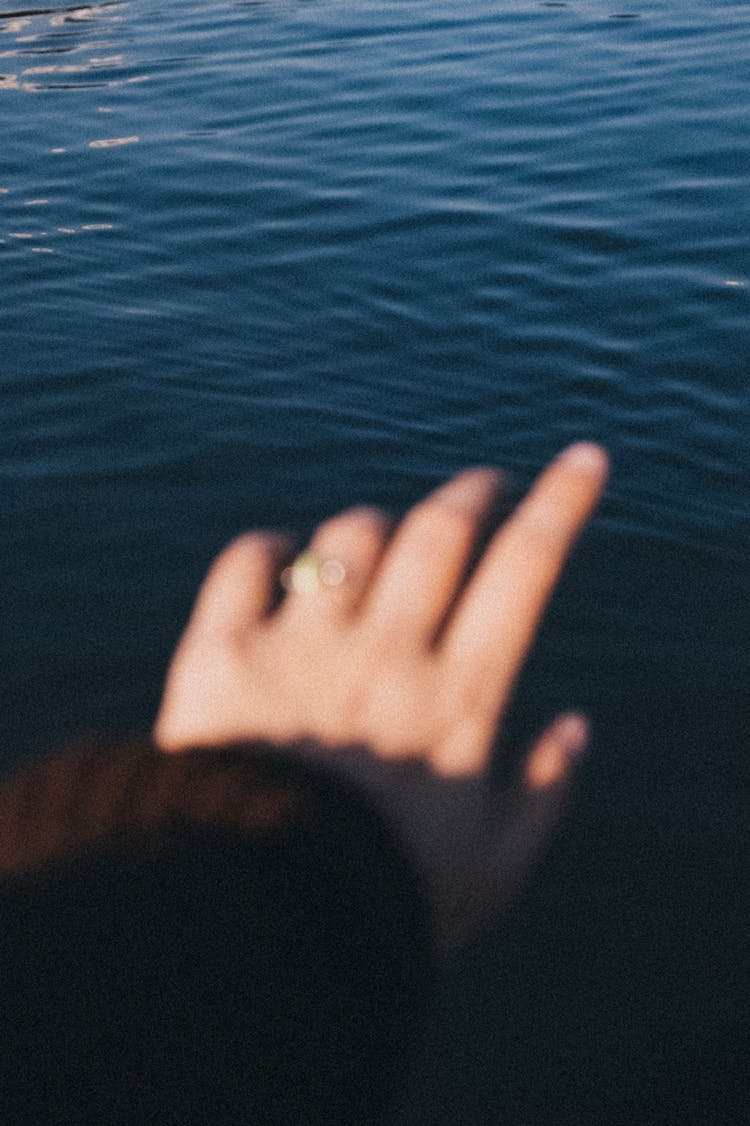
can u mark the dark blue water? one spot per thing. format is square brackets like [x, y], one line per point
[262, 260]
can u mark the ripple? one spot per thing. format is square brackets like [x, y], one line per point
[113, 142]
[399, 235]
[52, 33]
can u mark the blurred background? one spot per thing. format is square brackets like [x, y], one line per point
[263, 260]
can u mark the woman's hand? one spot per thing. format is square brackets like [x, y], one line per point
[402, 642]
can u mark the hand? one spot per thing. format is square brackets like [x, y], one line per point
[413, 655]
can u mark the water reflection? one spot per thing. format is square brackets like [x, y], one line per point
[52, 32]
[112, 142]
[47, 49]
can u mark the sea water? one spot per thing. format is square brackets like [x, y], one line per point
[262, 260]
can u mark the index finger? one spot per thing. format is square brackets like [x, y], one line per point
[497, 616]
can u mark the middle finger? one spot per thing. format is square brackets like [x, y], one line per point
[426, 560]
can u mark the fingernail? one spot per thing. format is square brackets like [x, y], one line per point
[471, 489]
[586, 456]
[573, 732]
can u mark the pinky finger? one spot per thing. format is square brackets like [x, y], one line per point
[241, 584]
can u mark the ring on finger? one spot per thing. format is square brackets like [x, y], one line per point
[309, 571]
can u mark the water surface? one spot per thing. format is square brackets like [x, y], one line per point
[262, 260]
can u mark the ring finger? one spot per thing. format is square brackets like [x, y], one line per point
[332, 575]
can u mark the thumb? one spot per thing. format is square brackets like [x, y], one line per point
[523, 824]
[540, 796]
[554, 755]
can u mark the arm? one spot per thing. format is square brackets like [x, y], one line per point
[226, 936]
[183, 931]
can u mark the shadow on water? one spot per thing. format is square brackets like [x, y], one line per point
[612, 997]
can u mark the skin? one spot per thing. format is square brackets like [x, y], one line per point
[400, 674]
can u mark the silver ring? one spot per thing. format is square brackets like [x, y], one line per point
[310, 571]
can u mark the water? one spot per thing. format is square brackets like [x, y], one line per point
[262, 260]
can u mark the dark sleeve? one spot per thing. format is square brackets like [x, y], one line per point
[221, 936]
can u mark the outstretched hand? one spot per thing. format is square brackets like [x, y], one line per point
[400, 641]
